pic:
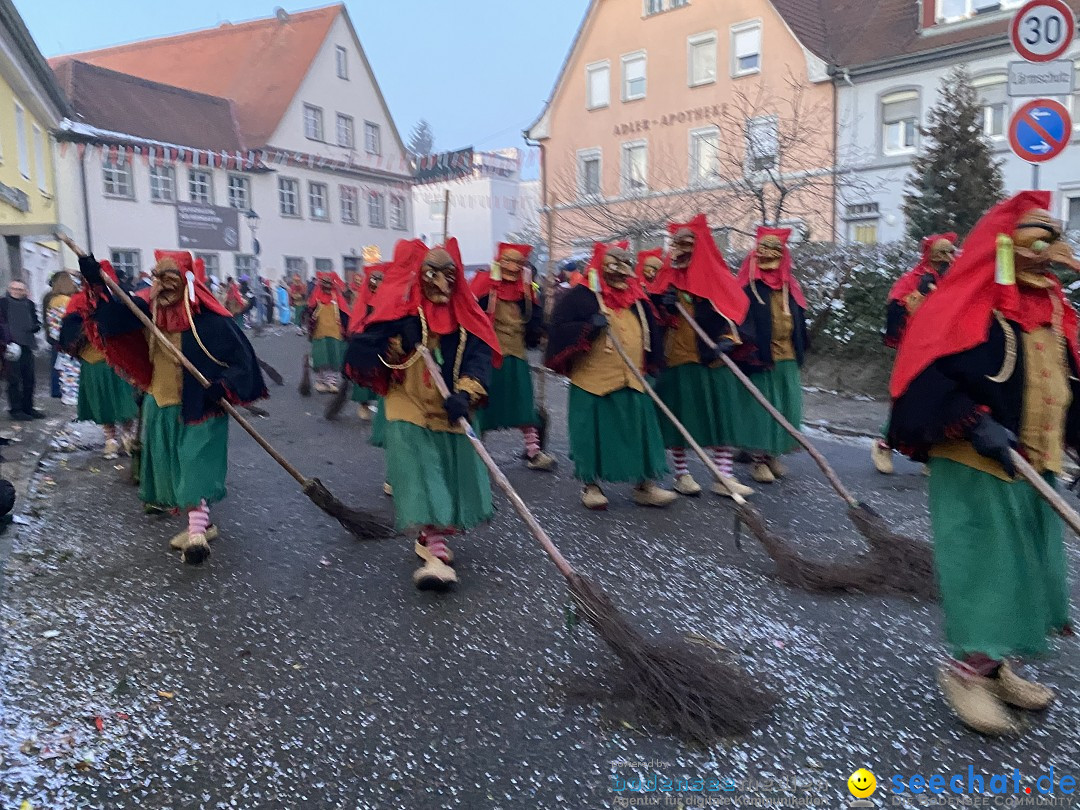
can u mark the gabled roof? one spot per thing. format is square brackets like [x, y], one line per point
[259, 65]
[28, 49]
[128, 105]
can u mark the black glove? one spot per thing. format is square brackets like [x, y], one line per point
[457, 406]
[709, 355]
[927, 283]
[411, 335]
[670, 302]
[993, 440]
[215, 393]
[90, 269]
[599, 323]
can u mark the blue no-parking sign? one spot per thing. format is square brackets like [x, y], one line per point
[1040, 130]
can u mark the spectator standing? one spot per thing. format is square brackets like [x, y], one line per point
[23, 324]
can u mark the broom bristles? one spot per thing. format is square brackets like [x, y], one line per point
[363, 525]
[305, 379]
[337, 402]
[675, 684]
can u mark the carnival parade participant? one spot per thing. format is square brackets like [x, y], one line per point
[327, 319]
[365, 286]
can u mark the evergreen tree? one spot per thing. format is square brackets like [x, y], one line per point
[421, 139]
[955, 178]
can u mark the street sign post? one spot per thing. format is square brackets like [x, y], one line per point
[1042, 30]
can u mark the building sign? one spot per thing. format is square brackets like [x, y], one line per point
[444, 166]
[696, 115]
[1041, 78]
[15, 197]
[207, 227]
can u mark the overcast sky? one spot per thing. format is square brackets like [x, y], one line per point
[478, 70]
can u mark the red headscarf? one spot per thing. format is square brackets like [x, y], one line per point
[657, 253]
[708, 275]
[909, 282]
[364, 295]
[193, 272]
[335, 295]
[613, 299]
[401, 295]
[958, 316]
[778, 278]
[82, 305]
[506, 290]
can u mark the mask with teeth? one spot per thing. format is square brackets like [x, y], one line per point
[769, 252]
[511, 263]
[682, 248]
[651, 267]
[438, 275]
[942, 255]
[617, 269]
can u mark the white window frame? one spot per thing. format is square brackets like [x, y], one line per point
[209, 176]
[289, 197]
[750, 155]
[993, 80]
[121, 168]
[350, 204]
[590, 103]
[119, 265]
[624, 165]
[325, 196]
[897, 97]
[314, 129]
[324, 265]
[341, 60]
[163, 183]
[437, 208]
[296, 265]
[20, 141]
[346, 125]
[399, 215]
[237, 186]
[646, 11]
[372, 138]
[626, 59]
[243, 264]
[695, 41]
[39, 160]
[969, 10]
[696, 137]
[745, 28]
[212, 262]
[376, 205]
[584, 155]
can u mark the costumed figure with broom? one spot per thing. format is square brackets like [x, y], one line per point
[364, 285]
[614, 431]
[327, 319]
[699, 392]
[105, 398]
[775, 340]
[185, 430]
[988, 366]
[905, 297]
[439, 482]
[513, 303]
[298, 294]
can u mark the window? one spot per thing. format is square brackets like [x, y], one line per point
[346, 131]
[900, 122]
[633, 76]
[20, 139]
[342, 57]
[994, 100]
[350, 205]
[704, 156]
[239, 192]
[163, 184]
[289, 196]
[678, 3]
[317, 199]
[313, 123]
[635, 167]
[653, 7]
[201, 187]
[953, 10]
[398, 220]
[589, 163]
[864, 233]
[117, 174]
[702, 59]
[324, 266]
[762, 142]
[243, 263]
[372, 139]
[126, 262]
[746, 48]
[295, 266]
[376, 205]
[39, 159]
[212, 262]
[437, 209]
[597, 85]
[1072, 223]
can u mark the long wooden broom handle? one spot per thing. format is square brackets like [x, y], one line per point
[796, 434]
[1057, 503]
[679, 426]
[178, 355]
[519, 505]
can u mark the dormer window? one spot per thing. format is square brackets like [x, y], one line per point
[956, 10]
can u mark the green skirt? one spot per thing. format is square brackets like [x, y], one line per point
[182, 464]
[753, 428]
[362, 394]
[378, 426]
[510, 398]
[1000, 559]
[327, 353]
[438, 478]
[700, 398]
[615, 437]
[104, 398]
[298, 314]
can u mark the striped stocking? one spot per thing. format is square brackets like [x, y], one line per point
[724, 459]
[198, 519]
[678, 461]
[532, 441]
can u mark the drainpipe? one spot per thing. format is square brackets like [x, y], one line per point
[549, 215]
[86, 201]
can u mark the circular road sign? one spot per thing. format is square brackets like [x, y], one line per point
[1042, 30]
[1040, 130]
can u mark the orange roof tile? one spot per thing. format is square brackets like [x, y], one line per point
[259, 65]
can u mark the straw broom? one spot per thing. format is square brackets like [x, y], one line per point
[361, 524]
[675, 682]
[895, 563]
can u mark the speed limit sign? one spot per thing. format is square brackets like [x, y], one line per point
[1042, 30]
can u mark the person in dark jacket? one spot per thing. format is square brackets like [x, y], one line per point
[23, 324]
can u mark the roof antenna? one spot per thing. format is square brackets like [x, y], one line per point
[281, 14]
